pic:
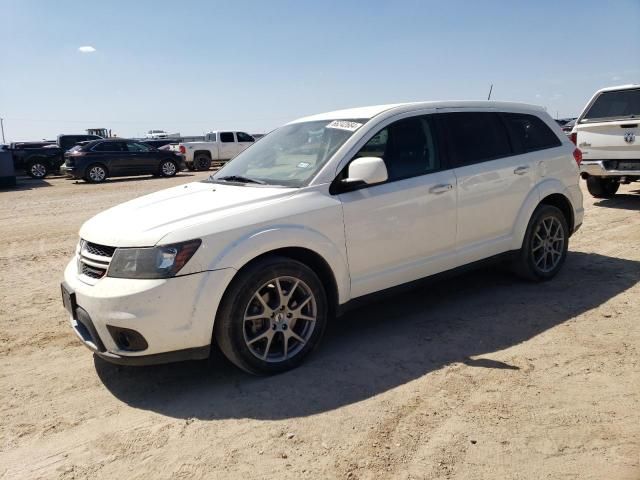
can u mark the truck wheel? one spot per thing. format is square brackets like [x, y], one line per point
[272, 316]
[201, 161]
[168, 168]
[545, 244]
[96, 173]
[602, 187]
[37, 169]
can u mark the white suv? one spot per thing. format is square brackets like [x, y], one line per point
[322, 211]
[606, 132]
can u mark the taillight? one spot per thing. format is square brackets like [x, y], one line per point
[574, 138]
[577, 155]
[182, 149]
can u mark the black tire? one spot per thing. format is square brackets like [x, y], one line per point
[92, 174]
[168, 168]
[231, 330]
[528, 263]
[600, 187]
[37, 169]
[201, 161]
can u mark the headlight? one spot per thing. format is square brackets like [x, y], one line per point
[155, 262]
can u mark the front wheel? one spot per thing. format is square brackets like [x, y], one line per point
[37, 169]
[272, 316]
[602, 187]
[545, 245]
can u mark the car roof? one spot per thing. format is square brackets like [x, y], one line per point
[372, 111]
[619, 87]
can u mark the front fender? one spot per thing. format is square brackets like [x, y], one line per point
[546, 187]
[244, 249]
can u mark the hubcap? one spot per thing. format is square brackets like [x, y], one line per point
[168, 168]
[548, 244]
[38, 170]
[97, 174]
[280, 319]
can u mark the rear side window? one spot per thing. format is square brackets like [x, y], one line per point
[475, 137]
[614, 105]
[244, 137]
[226, 137]
[529, 133]
[110, 147]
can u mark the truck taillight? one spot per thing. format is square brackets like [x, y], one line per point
[182, 149]
[577, 155]
[574, 138]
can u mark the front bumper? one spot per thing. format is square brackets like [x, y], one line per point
[69, 171]
[174, 316]
[606, 168]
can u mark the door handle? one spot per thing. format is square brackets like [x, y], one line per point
[521, 170]
[437, 189]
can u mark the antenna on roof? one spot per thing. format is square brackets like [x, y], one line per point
[490, 90]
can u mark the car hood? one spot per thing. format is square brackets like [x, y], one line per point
[146, 220]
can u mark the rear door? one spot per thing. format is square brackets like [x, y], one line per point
[228, 147]
[112, 154]
[492, 182]
[610, 126]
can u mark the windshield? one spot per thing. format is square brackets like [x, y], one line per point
[614, 105]
[291, 155]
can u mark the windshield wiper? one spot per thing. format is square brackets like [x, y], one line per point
[240, 178]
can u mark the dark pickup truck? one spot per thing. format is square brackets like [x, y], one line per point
[38, 159]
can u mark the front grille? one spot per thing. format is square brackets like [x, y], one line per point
[94, 259]
[92, 272]
[100, 250]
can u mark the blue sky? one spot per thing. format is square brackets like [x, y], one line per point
[192, 66]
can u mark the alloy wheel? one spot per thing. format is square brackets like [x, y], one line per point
[168, 169]
[280, 319]
[97, 174]
[38, 170]
[548, 244]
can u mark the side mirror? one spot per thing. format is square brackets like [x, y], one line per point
[367, 170]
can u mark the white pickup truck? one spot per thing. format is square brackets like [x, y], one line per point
[217, 146]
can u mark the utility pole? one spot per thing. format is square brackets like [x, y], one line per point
[2, 128]
[490, 90]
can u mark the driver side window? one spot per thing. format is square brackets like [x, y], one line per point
[408, 148]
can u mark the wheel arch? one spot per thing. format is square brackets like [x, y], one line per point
[205, 152]
[550, 192]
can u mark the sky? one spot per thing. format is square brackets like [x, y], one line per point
[195, 66]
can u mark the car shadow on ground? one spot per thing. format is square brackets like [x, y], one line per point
[381, 346]
[134, 178]
[28, 183]
[623, 201]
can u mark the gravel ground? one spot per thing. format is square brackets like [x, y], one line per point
[479, 376]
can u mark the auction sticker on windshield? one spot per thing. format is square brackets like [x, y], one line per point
[344, 125]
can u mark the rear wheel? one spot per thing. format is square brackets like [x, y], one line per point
[602, 187]
[201, 161]
[96, 173]
[168, 168]
[272, 316]
[545, 244]
[37, 169]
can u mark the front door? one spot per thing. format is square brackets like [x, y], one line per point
[141, 158]
[403, 229]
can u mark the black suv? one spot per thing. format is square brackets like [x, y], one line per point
[97, 160]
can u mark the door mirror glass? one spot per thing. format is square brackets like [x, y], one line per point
[367, 170]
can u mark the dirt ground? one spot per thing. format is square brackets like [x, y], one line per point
[476, 377]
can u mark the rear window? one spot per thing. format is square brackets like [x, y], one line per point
[110, 147]
[529, 133]
[475, 137]
[614, 105]
[226, 137]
